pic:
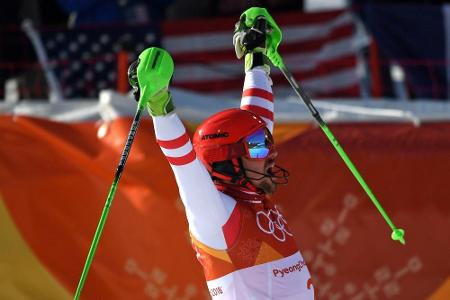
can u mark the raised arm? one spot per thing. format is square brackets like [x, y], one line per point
[257, 95]
[206, 209]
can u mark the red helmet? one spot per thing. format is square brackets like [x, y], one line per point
[218, 143]
[218, 137]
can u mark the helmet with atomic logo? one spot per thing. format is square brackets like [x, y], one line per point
[215, 139]
[222, 140]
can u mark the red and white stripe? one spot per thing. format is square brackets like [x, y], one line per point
[317, 48]
[174, 142]
[257, 96]
[178, 151]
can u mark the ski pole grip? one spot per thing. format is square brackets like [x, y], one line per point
[261, 24]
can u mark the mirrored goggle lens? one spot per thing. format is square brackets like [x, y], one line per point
[259, 143]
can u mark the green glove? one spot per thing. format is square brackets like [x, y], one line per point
[251, 42]
[150, 76]
[272, 33]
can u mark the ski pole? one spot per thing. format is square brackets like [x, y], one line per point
[274, 38]
[397, 233]
[154, 65]
[109, 199]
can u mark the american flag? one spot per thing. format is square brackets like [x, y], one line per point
[320, 49]
[85, 59]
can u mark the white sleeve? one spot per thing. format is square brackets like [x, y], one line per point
[206, 208]
[257, 95]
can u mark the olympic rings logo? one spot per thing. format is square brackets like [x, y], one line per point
[276, 224]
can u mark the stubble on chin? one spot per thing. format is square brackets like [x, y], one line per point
[268, 187]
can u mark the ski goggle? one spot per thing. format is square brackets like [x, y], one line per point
[259, 144]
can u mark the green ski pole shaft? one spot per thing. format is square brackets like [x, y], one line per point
[397, 234]
[109, 199]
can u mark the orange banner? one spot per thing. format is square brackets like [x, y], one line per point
[54, 179]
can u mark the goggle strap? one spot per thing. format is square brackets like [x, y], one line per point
[224, 152]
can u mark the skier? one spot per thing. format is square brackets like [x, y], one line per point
[225, 177]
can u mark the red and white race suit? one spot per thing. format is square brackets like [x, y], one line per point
[246, 249]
